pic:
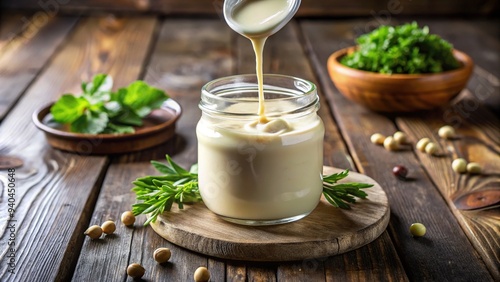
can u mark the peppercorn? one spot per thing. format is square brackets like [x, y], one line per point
[108, 227]
[162, 255]
[400, 171]
[418, 229]
[377, 138]
[201, 274]
[135, 271]
[94, 232]
[128, 218]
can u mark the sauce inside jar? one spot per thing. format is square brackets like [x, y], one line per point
[260, 173]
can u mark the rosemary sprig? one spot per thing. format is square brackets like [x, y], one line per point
[156, 194]
[341, 194]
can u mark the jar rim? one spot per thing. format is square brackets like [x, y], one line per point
[304, 90]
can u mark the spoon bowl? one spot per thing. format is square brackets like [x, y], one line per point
[259, 18]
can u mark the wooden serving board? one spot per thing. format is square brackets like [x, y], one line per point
[326, 231]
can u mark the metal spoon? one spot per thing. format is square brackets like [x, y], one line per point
[230, 6]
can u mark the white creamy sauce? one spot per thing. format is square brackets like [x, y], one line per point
[269, 168]
[258, 175]
[257, 19]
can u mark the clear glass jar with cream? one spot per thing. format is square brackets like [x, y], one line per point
[257, 170]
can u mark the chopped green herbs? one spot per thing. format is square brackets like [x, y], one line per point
[405, 49]
[99, 110]
[177, 185]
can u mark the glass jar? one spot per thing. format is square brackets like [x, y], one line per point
[256, 173]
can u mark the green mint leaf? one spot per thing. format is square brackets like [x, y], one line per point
[98, 90]
[119, 96]
[128, 117]
[90, 123]
[97, 97]
[68, 108]
[113, 108]
[118, 129]
[98, 110]
[100, 83]
[141, 97]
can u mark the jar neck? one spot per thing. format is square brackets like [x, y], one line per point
[236, 97]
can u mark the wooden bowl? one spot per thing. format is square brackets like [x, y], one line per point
[398, 92]
[157, 128]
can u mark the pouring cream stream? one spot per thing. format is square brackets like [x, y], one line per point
[257, 20]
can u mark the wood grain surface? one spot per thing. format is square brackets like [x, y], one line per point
[57, 191]
[327, 231]
[11, 27]
[474, 144]
[23, 58]
[411, 201]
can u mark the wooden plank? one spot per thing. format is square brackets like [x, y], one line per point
[279, 50]
[56, 190]
[236, 272]
[353, 265]
[482, 227]
[11, 25]
[376, 9]
[118, 47]
[25, 56]
[217, 269]
[261, 273]
[303, 271]
[186, 55]
[445, 243]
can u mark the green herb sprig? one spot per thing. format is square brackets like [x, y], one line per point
[99, 110]
[341, 194]
[156, 194]
[405, 49]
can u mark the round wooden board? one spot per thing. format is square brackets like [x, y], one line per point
[326, 231]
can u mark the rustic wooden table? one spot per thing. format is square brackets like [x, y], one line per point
[58, 194]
